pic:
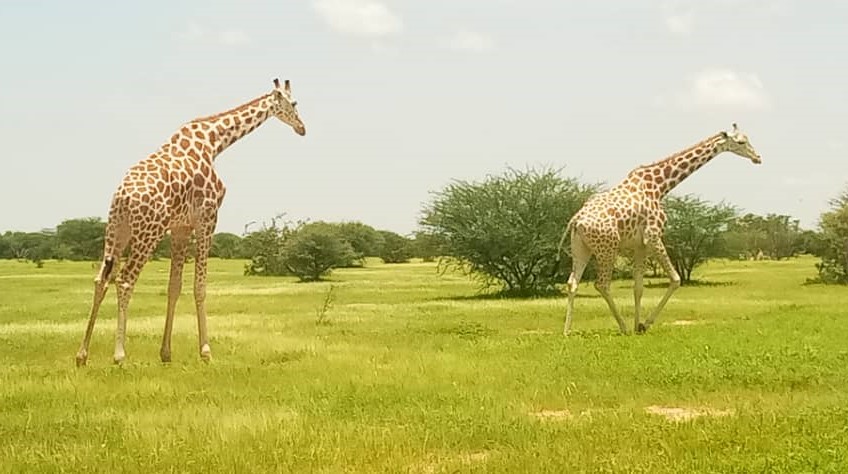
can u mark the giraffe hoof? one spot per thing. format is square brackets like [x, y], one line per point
[82, 358]
[641, 328]
[165, 357]
[119, 359]
[205, 353]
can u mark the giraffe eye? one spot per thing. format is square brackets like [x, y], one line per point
[294, 103]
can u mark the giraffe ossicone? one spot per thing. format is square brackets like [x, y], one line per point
[630, 214]
[176, 189]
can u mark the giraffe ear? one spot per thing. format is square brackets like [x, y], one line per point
[288, 86]
[277, 83]
[723, 134]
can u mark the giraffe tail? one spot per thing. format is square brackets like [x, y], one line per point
[112, 248]
[565, 234]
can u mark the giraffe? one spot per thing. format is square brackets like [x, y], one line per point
[176, 188]
[630, 215]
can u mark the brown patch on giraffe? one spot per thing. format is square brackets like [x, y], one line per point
[193, 154]
[204, 126]
[649, 178]
[212, 136]
[184, 143]
[667, 171]
[227, 121]
[200, 135]
[199, 180]
[185, 132]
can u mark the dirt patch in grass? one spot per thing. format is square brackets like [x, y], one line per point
[680, 414]
[685, 322]
[451, 464]
[552, 415]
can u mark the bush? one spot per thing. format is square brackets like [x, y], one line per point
[80, 239]
[396, 248]
[363, 239]
[833, 244]
[506, 229]
[226, 245]
[694, 232]
[426, 246]
[265, 250]
[312, 251]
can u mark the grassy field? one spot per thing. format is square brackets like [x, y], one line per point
[409, 371]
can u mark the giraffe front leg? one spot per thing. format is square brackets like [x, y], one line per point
[638, 287]
[179, 248]
[659, 252]
[204, 242]
[602, 284]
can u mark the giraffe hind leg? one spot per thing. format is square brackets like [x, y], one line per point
[580, 255]
[116, 241]
[142, 247]
[179, 247]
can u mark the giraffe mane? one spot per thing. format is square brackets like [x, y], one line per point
[234, 109]
[681, 152]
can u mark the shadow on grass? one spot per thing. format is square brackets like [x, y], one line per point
[516, 296]
[693, 284]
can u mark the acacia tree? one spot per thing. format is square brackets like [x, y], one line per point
[776, 236]
[313, 250]
[396, 248]
[81, 238]
[506, 229]
[833, 249]
[694, 232]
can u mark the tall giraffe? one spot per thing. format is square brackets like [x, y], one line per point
[176, 188]
[631, 214]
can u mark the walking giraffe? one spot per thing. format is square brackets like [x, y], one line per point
[631, 214]
[176, 188]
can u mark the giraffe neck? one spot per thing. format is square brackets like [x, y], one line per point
[668, 173]
[218, 132]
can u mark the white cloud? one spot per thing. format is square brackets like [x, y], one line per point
[721, 88]
[680, 23]
[471, 41]
[233, 38]
[193, 32]
[359, 17]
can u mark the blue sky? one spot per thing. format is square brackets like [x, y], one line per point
[401, 97]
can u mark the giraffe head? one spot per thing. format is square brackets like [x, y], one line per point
[737, 142]
[285, 107]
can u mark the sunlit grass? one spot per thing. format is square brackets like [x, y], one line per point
[409, 372]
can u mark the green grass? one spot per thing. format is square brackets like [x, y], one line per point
[409, 372]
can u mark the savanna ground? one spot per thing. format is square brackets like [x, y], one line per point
[408, 371]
